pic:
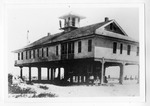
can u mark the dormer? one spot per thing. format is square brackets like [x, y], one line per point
[70, 21]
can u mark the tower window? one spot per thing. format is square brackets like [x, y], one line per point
[57, 50]
[137, 52]
[114, 47]
[73, 21]
[128, 49]
[79, 46]
[89, 45]
[121, 48]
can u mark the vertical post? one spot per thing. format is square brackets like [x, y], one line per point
[138, 74]
[48, 73]
[52, 74]
[29, 74]
[39, 74]
[102, 71]
[21, 72]
[121, 73]
[59, 74]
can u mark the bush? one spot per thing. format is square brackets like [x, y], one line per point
[10, 76]
[15, 89]
[43, 87]
[41, 95]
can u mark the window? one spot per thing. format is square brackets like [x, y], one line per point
[114, 47]
[57, 50]
[18, 56]
[89, 45]
[70, 47]
[21, 55]
[47, 51]
[42, 52]
[73, 21]
[79, 47]
[64, 48]
[128, 49]
[30, 54]
[37, 52]
[33, 53]
[26, 55]
[137, 52]
[121, 48]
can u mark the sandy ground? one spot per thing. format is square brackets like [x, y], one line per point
[129, 88]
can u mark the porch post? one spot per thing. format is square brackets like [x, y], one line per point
[21, 72]
[102, 71]
[121, 73]
[29, 74]
[47, 73]
[39, 74]
[138, 74]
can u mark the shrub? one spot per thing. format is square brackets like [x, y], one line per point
[10, 76]
[41, 95]
[15, 89]
[43, 87]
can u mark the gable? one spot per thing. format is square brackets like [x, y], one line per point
[113, 27]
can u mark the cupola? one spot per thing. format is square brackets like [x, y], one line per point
[70, 21]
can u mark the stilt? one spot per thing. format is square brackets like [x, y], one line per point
[102, 71]
[52, 74]
[29, 74]
[138, 79]
[21, 72]
[121, 73]
[39, 74]
[59, 73]
[48, 73]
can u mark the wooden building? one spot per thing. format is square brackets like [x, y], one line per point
[81, 51]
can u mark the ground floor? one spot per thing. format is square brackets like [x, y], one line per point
[80, 71]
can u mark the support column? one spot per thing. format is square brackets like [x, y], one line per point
[39, 74]
[21, 72]
[48, 73]
[138, 74]
[102, 71]
[59, 74]
[29, 74]
[52, 74]
[121, 73]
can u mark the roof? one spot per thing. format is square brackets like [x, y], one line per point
[79, 32]
[71, 14]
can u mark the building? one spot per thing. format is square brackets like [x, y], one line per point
[81, 51]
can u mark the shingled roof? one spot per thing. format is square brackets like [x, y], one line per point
[79, 32]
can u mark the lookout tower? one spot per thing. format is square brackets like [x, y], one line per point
[70, 21]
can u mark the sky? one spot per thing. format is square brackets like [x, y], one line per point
[43, 19]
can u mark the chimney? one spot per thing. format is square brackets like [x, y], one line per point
[106, 19]
[48, 34]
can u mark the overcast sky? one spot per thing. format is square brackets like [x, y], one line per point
[41, 19]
